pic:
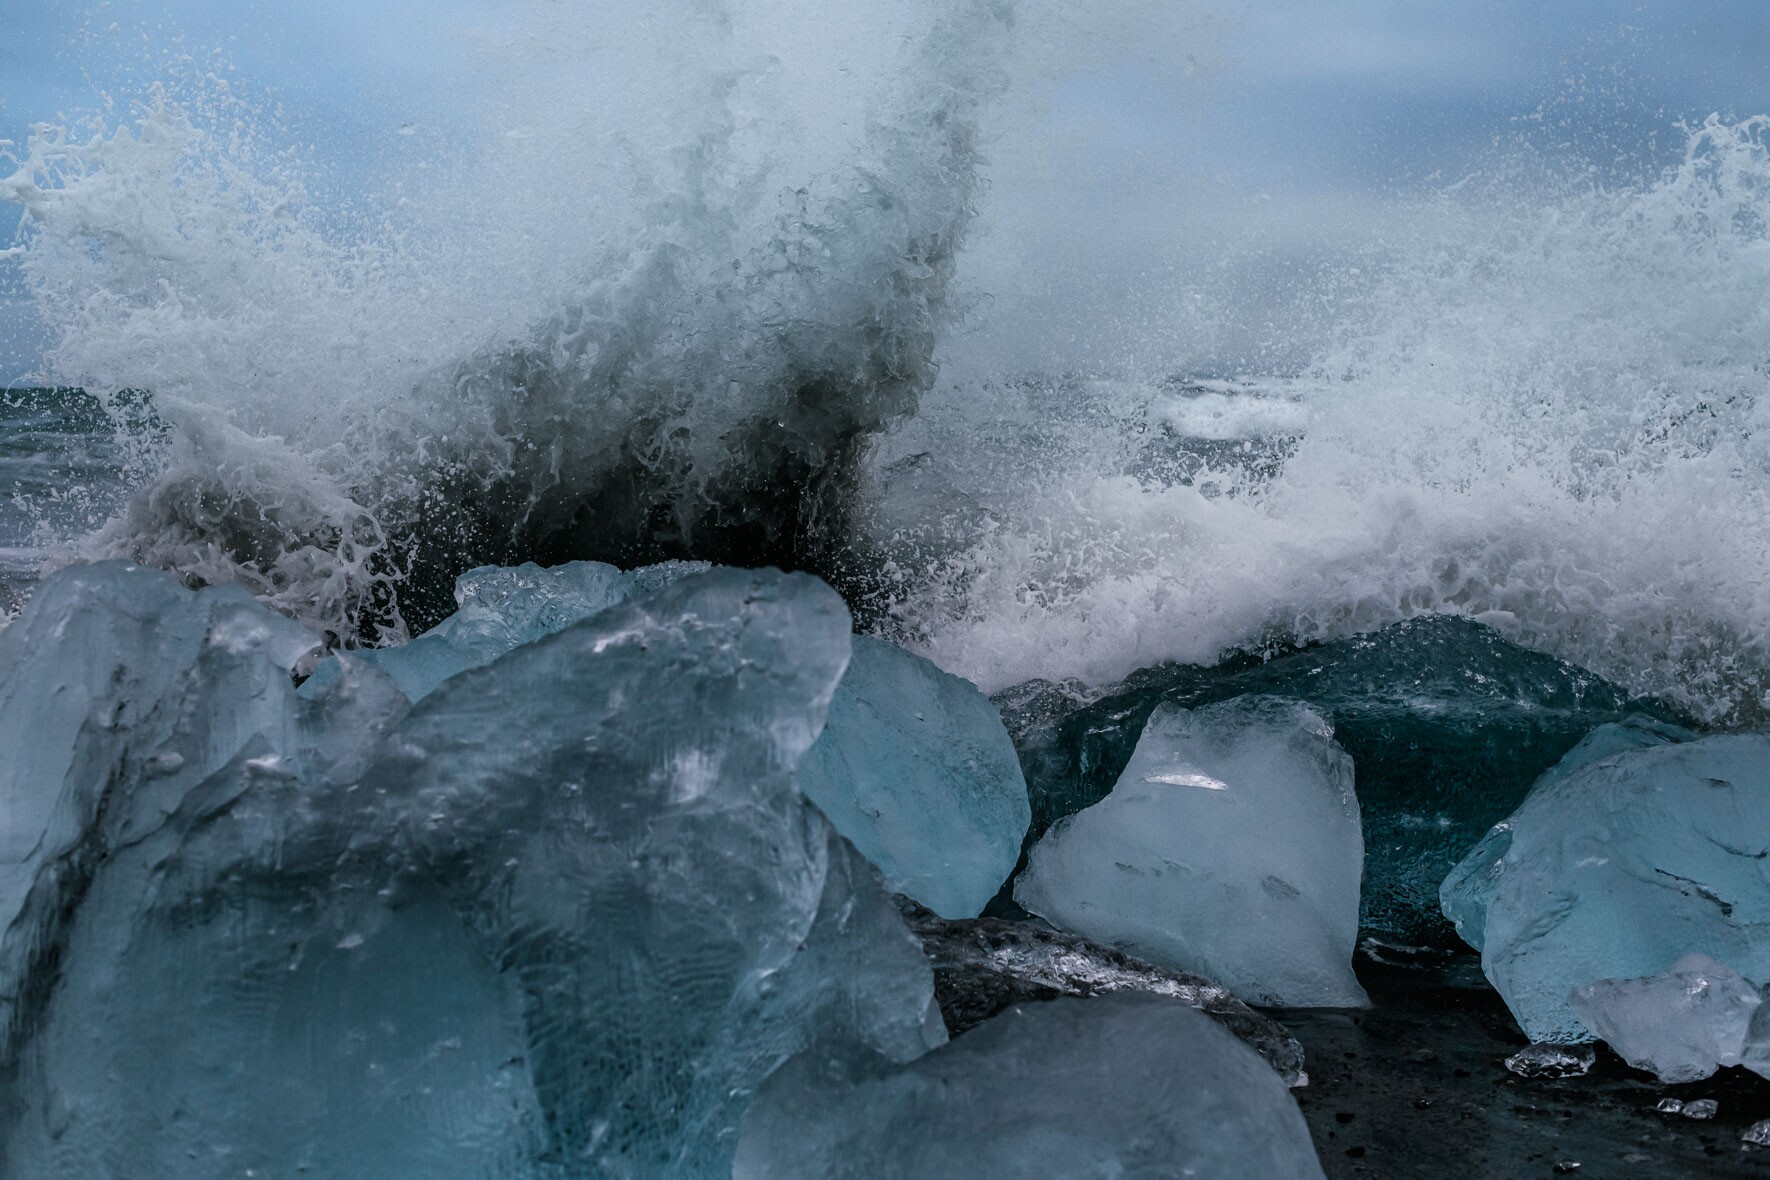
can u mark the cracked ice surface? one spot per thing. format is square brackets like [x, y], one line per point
[1616, 869]
[562, 915]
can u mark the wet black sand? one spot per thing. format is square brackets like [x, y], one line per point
[1417, 1086]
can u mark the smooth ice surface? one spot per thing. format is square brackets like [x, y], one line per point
[1682, 1025]
[1231, 846]
[558, 919]
[1447, 722]
[1131, 1087]
[502, 607]
[916, 769]
[1617, 870]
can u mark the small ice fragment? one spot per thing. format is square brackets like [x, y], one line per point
[1552, 1061]
[1670, 1106]
[1702, 1108]
[1566, 1167]
[1758, 1134]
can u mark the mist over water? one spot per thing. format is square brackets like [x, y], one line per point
[687, 285]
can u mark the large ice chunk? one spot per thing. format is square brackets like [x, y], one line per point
[274, 992]
[1619, 868]
[1231, 846]
[916, 769]
[93, 678]
[1128, 1086]
[561, 919]
[1682, 1025]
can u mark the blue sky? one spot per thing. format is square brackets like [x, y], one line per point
[1329, 106]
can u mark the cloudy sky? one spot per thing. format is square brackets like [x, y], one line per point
[1321, 111]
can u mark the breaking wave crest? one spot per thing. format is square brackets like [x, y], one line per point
[655, 318]
[686, 286]
[1544, 414]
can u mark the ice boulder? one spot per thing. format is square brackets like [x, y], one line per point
[916, 769]
[1230, 846]
[95, 740]
[1682, 1025]
[500, 608]
[1617, 869]
[560, 918]
[613, 812]
[1464, 893]
[1132, 1087]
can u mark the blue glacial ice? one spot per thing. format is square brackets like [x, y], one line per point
[1616, 867]
[1128, 1086]
[916, 768]
[1230, 846]
[94, 680]
[560, 918]
[1464, 892]
[1682, 1025]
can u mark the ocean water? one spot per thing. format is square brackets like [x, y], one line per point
[1537, 409]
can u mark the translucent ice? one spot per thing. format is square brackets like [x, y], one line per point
[1133, 1087]
[1463, 895]
[1552, 1061]
[502, 607]
[983, 966]
[615, 812]
[916, 769]
[1231, 846]
[1682, 1025]
[94, 739]
[1448, 724]
[560, 919]
[1617, 869]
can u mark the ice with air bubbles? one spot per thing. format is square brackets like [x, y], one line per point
[222, 893]
[1616, 869]
[1230, 846]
